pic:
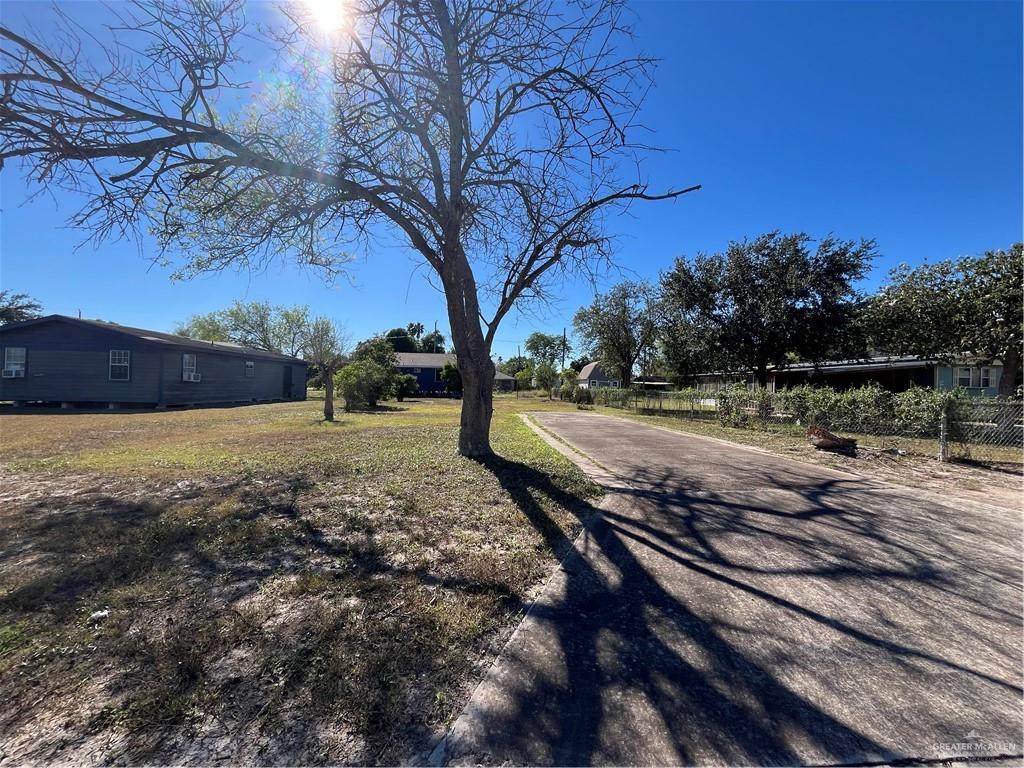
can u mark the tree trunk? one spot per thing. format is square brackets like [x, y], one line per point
[1011, 368]
[477, 408]
[328, 376]
[474, 356]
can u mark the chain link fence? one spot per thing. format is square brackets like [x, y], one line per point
[944, 425]
[989, 431]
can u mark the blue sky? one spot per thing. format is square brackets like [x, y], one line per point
[896, 121]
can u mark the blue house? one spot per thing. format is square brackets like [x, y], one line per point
[427, 366]
[69, 361]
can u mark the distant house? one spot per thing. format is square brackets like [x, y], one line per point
[427, 367]
[593, 376]
[58, 359]
[503, 382]
[893, 373]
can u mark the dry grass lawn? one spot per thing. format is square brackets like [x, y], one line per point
[255, 585]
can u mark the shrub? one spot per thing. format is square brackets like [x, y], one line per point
[583, 396]
[405, 386]
[731, 404]
[918, 411]
[452, 380]
[363, 384]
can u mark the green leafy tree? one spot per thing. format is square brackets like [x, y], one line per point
[514, 365]
[452, 379]
[324, 347]
[496, 139]
[568, 383]
[524, 378]
[579, 363]
[405, 386]
[212, 326]
[432, 342]
[401, 340]
[968, 306]
[618, 327]
[546, 376]
[764, 300]
[364, 383]
[687, 348]
[379, 351]
[256, 324]
[547, 348]
[16, 307]
[415, 330]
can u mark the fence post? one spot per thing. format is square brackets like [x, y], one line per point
[944, 434]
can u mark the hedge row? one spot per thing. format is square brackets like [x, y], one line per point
[915, 412]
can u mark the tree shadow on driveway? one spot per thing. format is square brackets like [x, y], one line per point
[787, 621]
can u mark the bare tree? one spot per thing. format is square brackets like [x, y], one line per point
[325, 347]
[489, 134]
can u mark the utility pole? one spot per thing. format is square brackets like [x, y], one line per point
[563, 348]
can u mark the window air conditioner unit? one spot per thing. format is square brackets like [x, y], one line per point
[193, 377]
[14, 373]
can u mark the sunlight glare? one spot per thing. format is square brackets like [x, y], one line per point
[329, 15]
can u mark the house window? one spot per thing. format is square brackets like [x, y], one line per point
[120, 365]
[963, 377]
[985, 377]
[14, 362]
[188, 367]
[416, 370]
[250, 369]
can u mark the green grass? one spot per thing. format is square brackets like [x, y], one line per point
[278, 589]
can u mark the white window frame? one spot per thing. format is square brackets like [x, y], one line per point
[250, 369]
[126, 364]
[188, 365]
[960, 370]
[16, 365]
[984, 376]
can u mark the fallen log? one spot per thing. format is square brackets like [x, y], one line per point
[824, 440]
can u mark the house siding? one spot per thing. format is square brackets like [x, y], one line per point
[67, 362]
[945, 378]
[428, 379]
[223, 379]
[64, 363]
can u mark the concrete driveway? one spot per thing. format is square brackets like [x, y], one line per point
[725, 606]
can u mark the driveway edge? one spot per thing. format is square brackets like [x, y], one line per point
[468, 720]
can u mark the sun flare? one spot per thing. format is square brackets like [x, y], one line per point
[329, 15]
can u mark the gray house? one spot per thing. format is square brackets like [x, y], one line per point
[58, 359]
[593, 376]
